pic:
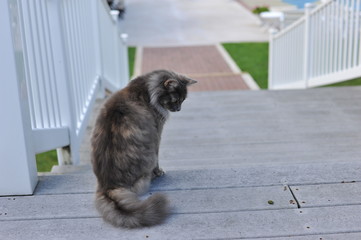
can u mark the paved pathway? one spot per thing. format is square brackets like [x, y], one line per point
[205, 63]
[189, 22]
[184, 36]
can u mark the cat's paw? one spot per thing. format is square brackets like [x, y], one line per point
[157, 172]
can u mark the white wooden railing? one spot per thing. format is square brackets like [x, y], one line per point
[323, 47]
[56, 57]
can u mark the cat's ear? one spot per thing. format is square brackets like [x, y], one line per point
[171, 84]
[190, 81]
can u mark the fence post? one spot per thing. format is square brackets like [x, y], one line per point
[122, 52]
[18, 173]
[307, 37]
[124, 61]
[98, 42]
[117, 47]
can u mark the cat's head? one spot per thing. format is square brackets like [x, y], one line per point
[168, 90]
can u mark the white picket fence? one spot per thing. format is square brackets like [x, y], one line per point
[56, 57]
[323, 47]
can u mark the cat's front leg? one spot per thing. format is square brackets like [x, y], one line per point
[157, 172]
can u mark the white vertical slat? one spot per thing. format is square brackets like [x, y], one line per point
[271, 58]
[321, 42]
[314, 45]
[278, 59]
[89, 77]
[300, 51]
[52, 66]
[357, 34]
[80, 54]
[275, 60]
[351, 33]
[33, 62]
[317, 41]
[70, 53]
[331, 29]
[345, 35]
[341, 34]
[286, 57]
[283, 59]
[48, 67]
[307, 37]
[43, 76]
[44, 64]
[336, 36]
[75, 41]
[327, 38]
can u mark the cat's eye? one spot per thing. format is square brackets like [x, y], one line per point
[174, 100]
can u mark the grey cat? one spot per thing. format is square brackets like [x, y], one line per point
[125, 145]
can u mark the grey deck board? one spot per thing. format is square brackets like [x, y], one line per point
[346, 193]
[226, 177]
[240, 150]
[336, 236]
[62, 206]
[248, 224]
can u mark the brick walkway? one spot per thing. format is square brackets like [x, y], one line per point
[203, 63]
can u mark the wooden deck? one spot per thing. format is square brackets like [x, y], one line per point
[282, 165]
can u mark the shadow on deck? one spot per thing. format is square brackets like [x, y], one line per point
[242, 165]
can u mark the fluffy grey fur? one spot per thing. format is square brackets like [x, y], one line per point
[125, 146]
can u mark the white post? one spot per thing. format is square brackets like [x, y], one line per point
[115, 15]
[271, 53]
[18, 174]
[117, 47]
[98, 43]
[306, 55]
[124, 61]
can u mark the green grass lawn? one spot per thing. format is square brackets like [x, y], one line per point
[251, 58]
[45, 161]
[131, 59]
[353, 82]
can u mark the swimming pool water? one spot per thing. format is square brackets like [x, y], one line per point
[299, 3]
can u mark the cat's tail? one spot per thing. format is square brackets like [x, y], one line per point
[122, 208]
